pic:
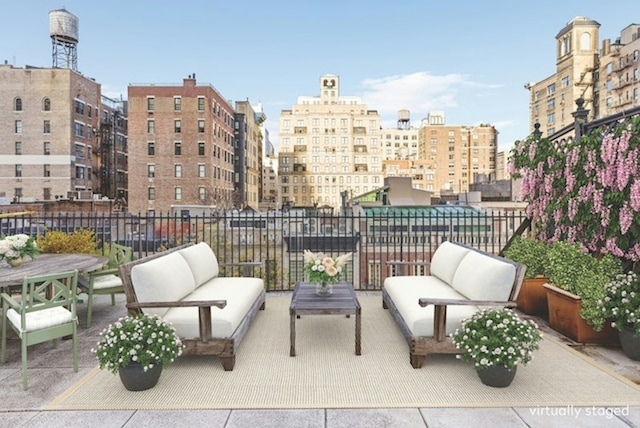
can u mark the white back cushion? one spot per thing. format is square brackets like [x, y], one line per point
[446, 259]
[202, 262]
[481, 277]
[165, 279]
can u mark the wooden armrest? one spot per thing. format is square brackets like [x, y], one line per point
[440, 311]
[204, 311]
[10, 301]
[181, 304]
[102, 272]
[426, 301]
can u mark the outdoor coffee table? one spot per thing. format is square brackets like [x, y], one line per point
[305, 301]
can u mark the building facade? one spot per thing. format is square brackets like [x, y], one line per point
[248, 140]
[49, 134]
[618, 87]
[181, 147]
[607, 79]
[329, 144]
[113, 168]
[452, 156]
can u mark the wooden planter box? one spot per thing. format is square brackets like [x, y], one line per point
[564, 317]
[532, 298]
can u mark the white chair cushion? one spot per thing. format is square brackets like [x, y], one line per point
[446, 259]
[38, 320]
[240, 294]
[405, 291]
[106, 281]
[481, 277]
[165, 279]
[202, 262]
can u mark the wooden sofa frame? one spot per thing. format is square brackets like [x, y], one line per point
[439, 343]
[223, 348]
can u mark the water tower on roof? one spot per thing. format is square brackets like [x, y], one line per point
[404, 119]
[63, 29]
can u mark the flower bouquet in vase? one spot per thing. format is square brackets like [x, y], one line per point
[324, 270]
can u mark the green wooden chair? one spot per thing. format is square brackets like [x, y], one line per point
[106, 280]
[46, 310]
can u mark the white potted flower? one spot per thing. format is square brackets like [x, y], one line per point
[14, 248]
[138, 348]
[497, 341]
[324, 270]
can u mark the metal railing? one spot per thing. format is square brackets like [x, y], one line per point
[278, 239]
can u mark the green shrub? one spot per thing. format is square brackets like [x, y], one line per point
[79, 241]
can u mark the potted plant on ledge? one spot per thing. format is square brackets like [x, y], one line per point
[577, 282]
[532, 298]
[621, 305]
[138, 348]
[497, 340]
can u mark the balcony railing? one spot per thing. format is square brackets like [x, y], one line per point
[278, 239]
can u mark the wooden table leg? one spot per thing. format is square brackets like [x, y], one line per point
[358, 331]
[292, 333]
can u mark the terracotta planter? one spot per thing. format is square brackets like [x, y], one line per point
[532, 298]
[564, 317]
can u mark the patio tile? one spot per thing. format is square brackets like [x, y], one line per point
[86, 418]
[278, 418]
[576, 416]
[366, 418]
[178, 418]
[471, 417]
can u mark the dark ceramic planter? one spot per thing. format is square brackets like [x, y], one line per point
[497, 376]
[630, 343]
[135, 379]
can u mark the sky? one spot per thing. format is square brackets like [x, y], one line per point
[467, 58]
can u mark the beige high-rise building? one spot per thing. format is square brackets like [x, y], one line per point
[619, 86]
[181, 147]
[49, 134]
[329, 144]
[248, 154]
[452, 156]
[552, 100]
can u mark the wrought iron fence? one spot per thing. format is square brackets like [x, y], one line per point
[377, 240]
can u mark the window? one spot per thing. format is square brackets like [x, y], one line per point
[79, 107]
[151, 148]
[201, 126]
[609, 67]
[80, 172]
[47, 170]
[46, 104]
[18, 147]
[551, 118]
[46, 193]
[177, 103]
[18, 170]
[200, 149]
[565, 81]
[79, 151]
[151, 126]
[178, 193]
[46, 127]
[177, 148]
[551, 89]
[47, 148]
[200, 103]
[17, 106]
[177, 170]
[18, 127]
[152, 193]
[177, 126]
[151, 171]
[79, 129]
[201, 170]
[151, 103]
[551, 103]
[202, 193]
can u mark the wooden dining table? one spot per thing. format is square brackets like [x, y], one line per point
[49, 263]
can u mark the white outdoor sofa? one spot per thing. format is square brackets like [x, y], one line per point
[210, 313]
[429, 308]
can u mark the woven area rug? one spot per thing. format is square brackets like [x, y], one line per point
[326, 373]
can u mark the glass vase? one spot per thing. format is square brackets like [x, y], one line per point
[324, 289]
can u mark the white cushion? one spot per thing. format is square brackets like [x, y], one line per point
[106, 281]
[202, 262]
[405, 291]
[240, 294]
[446, 259]
[38, 320]
[481, 277]
[165, 279]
